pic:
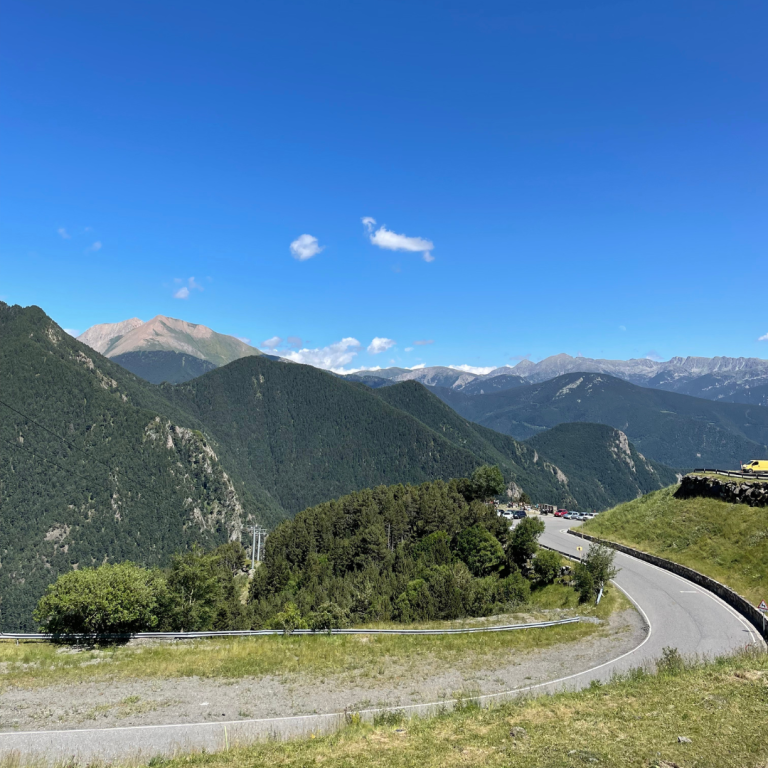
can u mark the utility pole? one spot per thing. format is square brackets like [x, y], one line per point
[256, 530]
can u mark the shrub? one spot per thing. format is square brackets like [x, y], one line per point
[514, 590]
[328, 616]
[546, 566]
[110, 599]
[288, 619]
[524, 541]
[480, 550]
[597, 569]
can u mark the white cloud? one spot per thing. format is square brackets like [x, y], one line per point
[72, 331]
[417, 367]
[63, 233]
[380, 345]
[243, 339]
[479, 370]
[368, 222]
[272, 343]
[655, 356]
[332, 358]
[185, 291]
[424, 342]
[305, 247]
[391, 241]
[763, 338]
[294, 341]
[409, 349]
[622, 327]
[95, 247]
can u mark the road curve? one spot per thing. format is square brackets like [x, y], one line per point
[679, 614]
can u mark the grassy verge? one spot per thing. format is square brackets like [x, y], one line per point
[636, 720]
[39, 664]
[728, 542]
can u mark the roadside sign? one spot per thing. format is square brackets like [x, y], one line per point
[762, 607]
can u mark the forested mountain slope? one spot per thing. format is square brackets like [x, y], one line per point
[601, 466]
[159, 366]
[89, 471]
[306, 436]
[677, 430]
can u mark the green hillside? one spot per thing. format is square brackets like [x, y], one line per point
[90, 471]
[157, 367]
[602, 466]
[728, 542]
[307, 436]
[677, 430]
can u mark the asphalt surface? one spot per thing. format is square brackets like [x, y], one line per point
[678, 614]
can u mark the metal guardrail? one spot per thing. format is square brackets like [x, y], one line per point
[736, 473]
[263, 632]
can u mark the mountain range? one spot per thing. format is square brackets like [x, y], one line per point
[727, 379]
[675, 429]
[97, 464]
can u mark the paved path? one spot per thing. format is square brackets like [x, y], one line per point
[678, 613]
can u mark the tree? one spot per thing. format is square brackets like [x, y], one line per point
[546, 565]
[196, 590]
[480, 550]
[328, 616]
[525, 499]
[524, 541]
[288, 619]
[596, 570]
[110, 599]
[487, 482]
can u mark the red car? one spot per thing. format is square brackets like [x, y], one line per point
[561, 513]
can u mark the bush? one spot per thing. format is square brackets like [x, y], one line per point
[328, 616]
[480, 550]
[524, 541]
[597, 569]
[514, 590]
[546, 566]
[288, 619]
[110, 599]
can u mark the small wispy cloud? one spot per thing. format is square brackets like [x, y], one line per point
[392, 241]
[243, 339]
[655, 356]
[622, 327]
[271, 344]
[763, 338]
[185, 291]
[94, 247]
[72, 332]
[423, 342]
[63, 234]
[294, 341]
[305, 247]
[379, 345]
[409, 349]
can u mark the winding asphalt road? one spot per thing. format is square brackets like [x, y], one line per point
[678, 614]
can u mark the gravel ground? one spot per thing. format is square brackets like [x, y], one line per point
[191, 699]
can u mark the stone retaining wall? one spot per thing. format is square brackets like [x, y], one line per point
[733, 491]
[735, 600]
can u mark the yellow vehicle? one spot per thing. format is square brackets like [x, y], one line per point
[755, 466]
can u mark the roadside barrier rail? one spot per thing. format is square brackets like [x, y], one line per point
[261, 632]
[735, 473]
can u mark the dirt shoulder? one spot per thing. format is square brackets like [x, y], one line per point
[157, 701]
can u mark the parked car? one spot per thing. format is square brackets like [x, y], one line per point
[561, 513]
[519, 514]
[590, 515]
[570, 516]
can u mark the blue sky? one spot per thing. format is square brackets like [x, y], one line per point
[590, 176]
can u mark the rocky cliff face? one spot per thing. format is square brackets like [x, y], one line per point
[755, 494]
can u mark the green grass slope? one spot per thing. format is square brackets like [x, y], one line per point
[603, 468]
[728, 542]
[677, 430]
